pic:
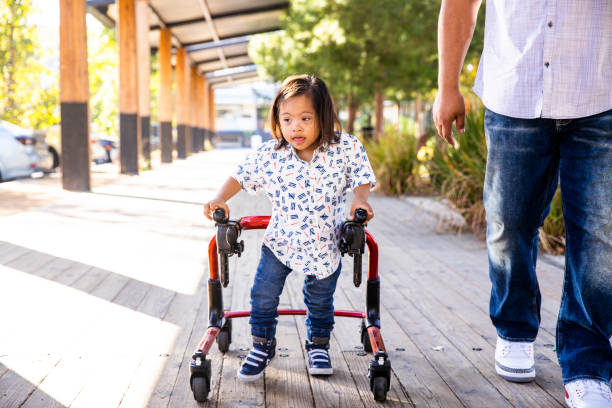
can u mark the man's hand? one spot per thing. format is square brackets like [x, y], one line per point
[361, 204]
[212, 205]
[449, 107]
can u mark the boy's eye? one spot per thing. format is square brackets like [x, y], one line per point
[305, 118]
[286, 120]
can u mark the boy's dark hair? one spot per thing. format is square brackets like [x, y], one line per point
[315, 88]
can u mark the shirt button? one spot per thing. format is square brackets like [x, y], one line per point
[550, 23]
[546, 64]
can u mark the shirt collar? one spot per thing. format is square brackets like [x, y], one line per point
[287, 150]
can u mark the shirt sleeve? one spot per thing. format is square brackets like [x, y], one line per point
[358, 169]
[249, 173]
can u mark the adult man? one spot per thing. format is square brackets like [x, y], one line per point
[545, 77]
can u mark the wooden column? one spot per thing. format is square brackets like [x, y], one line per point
[144, 79]
[165, 95]
[200, 111]
[128, 88]
[205, 113]
[74, 97]
[193, 108]
[212, 111]
[182, 103]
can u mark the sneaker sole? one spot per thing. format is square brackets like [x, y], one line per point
[248, 378]
[321, 371]
[515, 374]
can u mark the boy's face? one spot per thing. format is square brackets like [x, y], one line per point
[299, 125]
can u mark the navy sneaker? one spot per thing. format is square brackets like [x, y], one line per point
[259, 357]
[319, 362]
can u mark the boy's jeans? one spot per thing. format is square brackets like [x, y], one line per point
[267, 288]
[525, 159]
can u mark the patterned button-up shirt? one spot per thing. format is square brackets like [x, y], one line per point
[308, 199]
[548, 58]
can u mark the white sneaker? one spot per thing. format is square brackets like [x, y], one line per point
[588, 393]
[514, 360]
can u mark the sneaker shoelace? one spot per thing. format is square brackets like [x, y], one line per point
[592, 388]
[524, 347]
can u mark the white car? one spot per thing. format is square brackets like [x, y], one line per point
[34, 145]
[15, 161]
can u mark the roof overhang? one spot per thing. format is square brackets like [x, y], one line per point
[215, 33]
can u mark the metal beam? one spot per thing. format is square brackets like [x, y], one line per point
[242, 54]
[237, 13]
[243, 34]
[97, 3]
[215, 44]
[228, 72]
[213, 30]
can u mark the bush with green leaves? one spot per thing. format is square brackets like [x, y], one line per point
[394, 159]
[458, 174]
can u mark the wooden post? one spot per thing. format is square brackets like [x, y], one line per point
[74, 97]
[205, 113]
[165, 95]
[193, 108]
[128, 88]
[182, 104]
[144, 77]
[212, 112]
[200, 116]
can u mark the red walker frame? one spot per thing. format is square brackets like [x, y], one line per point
[380, 366]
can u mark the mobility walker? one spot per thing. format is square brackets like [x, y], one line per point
[225, 243]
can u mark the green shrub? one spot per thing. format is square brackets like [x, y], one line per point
[458, 173]
[394, 160]
[552, 234]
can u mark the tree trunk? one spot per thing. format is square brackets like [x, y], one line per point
[353, 105]
[380, 101]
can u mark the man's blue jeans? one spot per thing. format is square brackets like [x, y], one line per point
[526, 157]
[267, 288]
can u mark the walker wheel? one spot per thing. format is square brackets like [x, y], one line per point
[365, 338]
[379, 388]
[200, 387]
[224, 337]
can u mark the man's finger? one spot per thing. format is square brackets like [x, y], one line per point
[447, 133]
[460, 123]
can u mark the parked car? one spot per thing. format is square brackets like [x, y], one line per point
[103, 149]
[14, 160]
[40, 154]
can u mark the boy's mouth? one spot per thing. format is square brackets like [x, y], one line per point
[298, 140]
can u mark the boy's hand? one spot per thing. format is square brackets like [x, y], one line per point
[361, 204]
[212, 205]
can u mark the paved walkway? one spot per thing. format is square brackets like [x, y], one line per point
[104, 299]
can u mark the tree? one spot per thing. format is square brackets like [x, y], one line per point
[28, 89]
[364, 49]
[103, 79]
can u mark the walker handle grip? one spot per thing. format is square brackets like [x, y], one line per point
[219, 216]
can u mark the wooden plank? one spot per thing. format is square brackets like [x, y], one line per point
[421, 382]
[447, 313]
[90, 279]
[287, 382]
[233, 391]
[347, 334]
[9, 252]
[338, 390]
[447, 293]
[16, 388]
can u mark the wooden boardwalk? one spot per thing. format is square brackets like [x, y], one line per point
[103, 298]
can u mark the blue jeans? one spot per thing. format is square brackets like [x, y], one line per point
[526, 157]
[267, 288]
